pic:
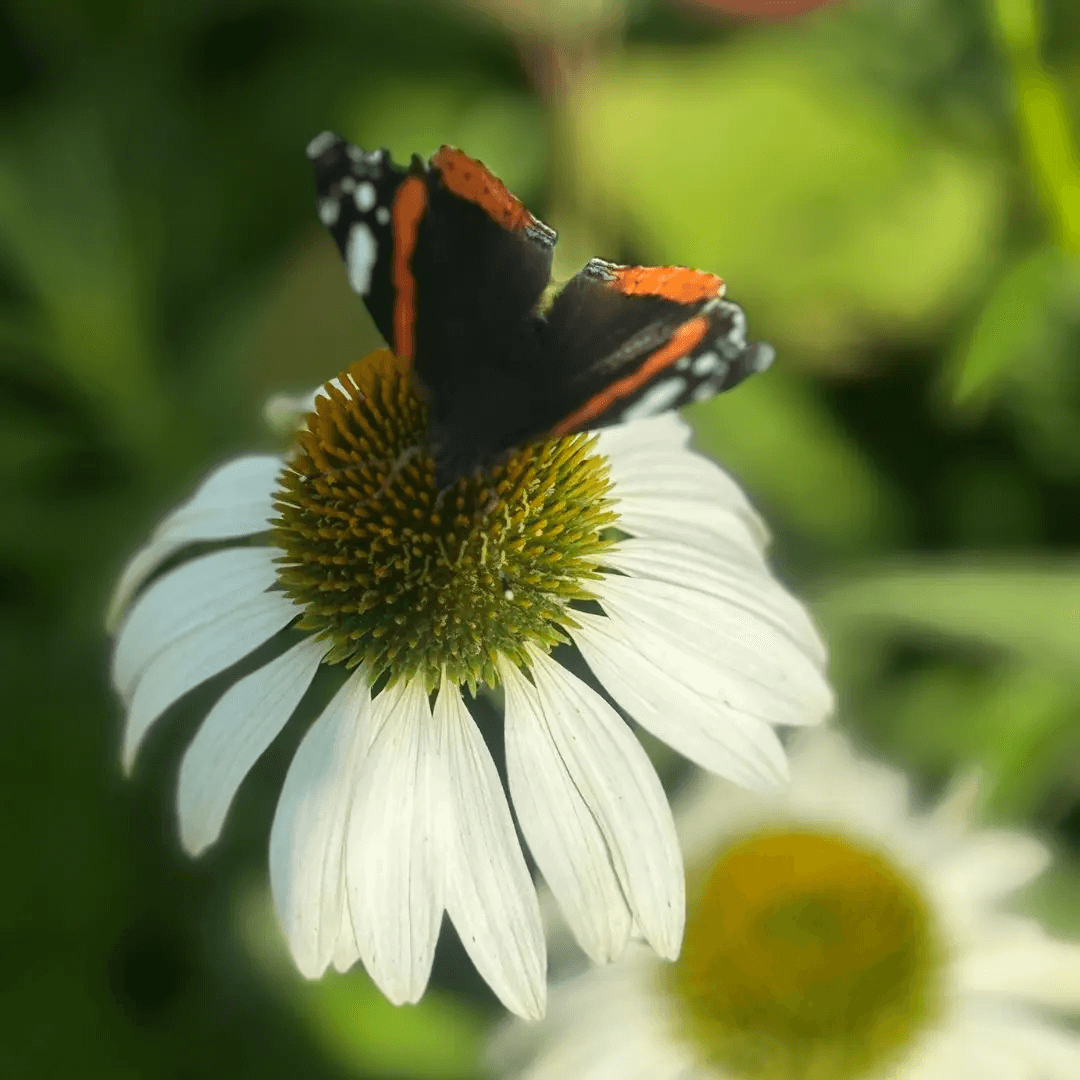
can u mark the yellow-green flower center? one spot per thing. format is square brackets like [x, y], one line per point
[807, 957]
[411, 579]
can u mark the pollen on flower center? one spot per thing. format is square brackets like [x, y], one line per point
[806, 957]
[410, 579]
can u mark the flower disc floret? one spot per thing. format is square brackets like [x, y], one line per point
[410, 579]
[807, 957]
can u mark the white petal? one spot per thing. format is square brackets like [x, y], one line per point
[831, 784]
[197, 593]
[307, 839]
[231, 739]
[667, 431]
[720, 739]
[559, 827]
[199, 655]
[608, 1024]
[989, 1041]
[286, 413]
[955, 810]
[236, 499]
[1048, 1051]
[394, 871]
[760, 669]
[670, 482]
[987, 867]
[701, 524]
[489, 894]
[622, 792]
[1024, 962]
[751, 588]
[346, 951]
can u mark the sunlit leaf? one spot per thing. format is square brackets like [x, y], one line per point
[350, 1019]
[834, 214]
[437, 1039]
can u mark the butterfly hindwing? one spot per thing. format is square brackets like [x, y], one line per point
[625, 342]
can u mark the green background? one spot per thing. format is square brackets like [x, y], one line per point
[892, 191]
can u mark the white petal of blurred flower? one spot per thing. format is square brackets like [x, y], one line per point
[646, 556]
[831, 932]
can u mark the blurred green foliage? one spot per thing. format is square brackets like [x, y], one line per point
[890, 189]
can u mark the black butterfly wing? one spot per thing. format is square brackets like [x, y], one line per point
[451, 266]
[625, 342]
[482, 264]
[357, 193]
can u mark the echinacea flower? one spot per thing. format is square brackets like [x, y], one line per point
[832, 934]
[644, 555]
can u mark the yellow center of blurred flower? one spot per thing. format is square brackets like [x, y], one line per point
[411, 579]
[806, 957]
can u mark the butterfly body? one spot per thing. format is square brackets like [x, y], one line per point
[455, 272]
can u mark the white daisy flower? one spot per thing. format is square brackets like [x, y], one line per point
[644, 555]
[832, 934]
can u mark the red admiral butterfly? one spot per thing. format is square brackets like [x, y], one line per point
[455, 272]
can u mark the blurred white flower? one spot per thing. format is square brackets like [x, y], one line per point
[645, 555]
[832, 934]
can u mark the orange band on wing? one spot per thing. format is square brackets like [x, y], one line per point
[410, 204]
[685, 339]
[670, 282]
[469, 179]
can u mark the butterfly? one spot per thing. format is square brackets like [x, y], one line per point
[456, 274]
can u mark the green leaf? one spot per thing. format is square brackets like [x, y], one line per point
[1018, 320]
[780, 441]
[1051, 897]
[437, 1039]
[349, 1018]
[1027, 607]
[834, 214]
[1016, 722]
[67, 233]
[1022, 358]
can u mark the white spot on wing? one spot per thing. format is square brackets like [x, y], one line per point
[364, 196]
[382, 216]
[656, 399]
[361, 251]
[705, 364]
[735, 341]
[328, 211]
[682, 363]
[348, 183]
[321, 143]
[705, 390]
[766, 354]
